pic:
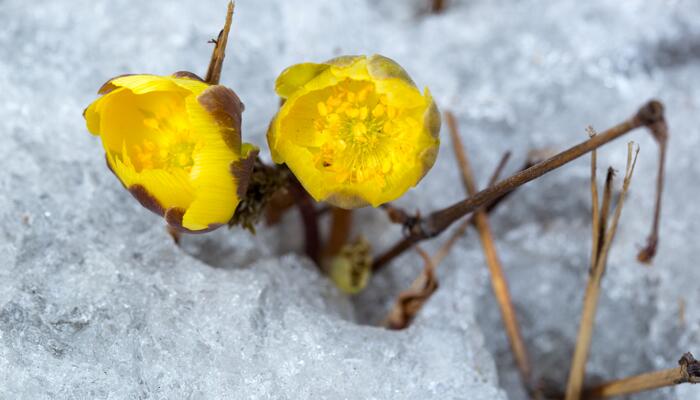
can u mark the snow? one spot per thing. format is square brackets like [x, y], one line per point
[97, 302]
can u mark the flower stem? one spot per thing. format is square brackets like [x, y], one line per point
[307, 210]
[217, 57]
[341, 225]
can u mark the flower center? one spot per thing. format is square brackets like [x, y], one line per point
[169, 146]
[363, 136]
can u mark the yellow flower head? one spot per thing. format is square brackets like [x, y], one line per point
[175, 143]
[354, 130]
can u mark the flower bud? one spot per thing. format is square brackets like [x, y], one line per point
[355, 130]
[175, 143]
[351, 268]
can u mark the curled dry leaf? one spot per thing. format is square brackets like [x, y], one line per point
[410, 301]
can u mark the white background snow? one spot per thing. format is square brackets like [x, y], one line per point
[97, 302]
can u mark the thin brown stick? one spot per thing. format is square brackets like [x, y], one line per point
[595, 206]
[462, 228]
[660, 132]
[410, 301]
[217, 57]
[688, 371]
[604, 213]
[592, 293]
[398, 215]
[436, 222]
[498, 279]
[578, 364]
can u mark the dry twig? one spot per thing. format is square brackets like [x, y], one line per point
[432, 225]
[462, 228]
[217, 56]
[400, 216]
[602, 241]
[410, 301]
[498, 279]
[688, 371]
[659, 131]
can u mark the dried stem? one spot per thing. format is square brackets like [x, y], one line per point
[217, 57]
[595, 205]
[462, 228]
[592, 294]
[498, 279]
[688, 371]
[660, 132]
[398, 215]
[410, 301]
[424, 228]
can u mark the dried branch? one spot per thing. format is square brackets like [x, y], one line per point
[659, 130]
[598, 264]
[498, 279]
[403, 217]
[217, 57]
[462, 228]
[410, 301]
[436, 222]
[688, 371]
[595, 205]
[397, 215]
[398, 318]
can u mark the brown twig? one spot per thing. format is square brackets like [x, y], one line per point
[462, 228]
[659, 130]
[688, 371]
[595, 205]
[436, 222]
[498, 279]
[403, 245]
[217, 57]
[411, 300]
[397, 215]
[598, 266]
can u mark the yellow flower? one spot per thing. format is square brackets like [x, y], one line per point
[354, 130]
[175, 143]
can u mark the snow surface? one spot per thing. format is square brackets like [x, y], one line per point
[97, 302]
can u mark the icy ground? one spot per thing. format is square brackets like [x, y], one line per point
[97, 302]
